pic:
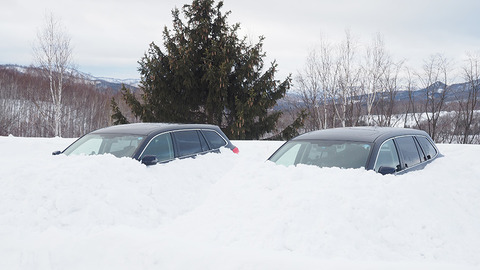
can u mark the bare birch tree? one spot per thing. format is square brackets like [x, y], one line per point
[317, 83]
[348, 78]
[434, 79]
[310, 90]
[468, 100]
[390, 88]
[53, 55]
[376, 63]
[328, 70]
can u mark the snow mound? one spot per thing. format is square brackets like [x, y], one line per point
[228, 211]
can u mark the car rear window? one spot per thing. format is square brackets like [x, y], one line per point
[427, 147]
[214, 139]
[409, 151]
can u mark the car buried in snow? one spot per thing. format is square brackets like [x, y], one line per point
[382, 149]
[151, 143]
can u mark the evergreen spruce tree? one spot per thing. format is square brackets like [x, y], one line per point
[291, 130]
[117, 117]
[207, 74]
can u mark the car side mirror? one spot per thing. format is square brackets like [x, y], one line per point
[56, 153]
[386, 170]
[149, 160]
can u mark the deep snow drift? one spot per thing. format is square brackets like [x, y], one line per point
[227, 211]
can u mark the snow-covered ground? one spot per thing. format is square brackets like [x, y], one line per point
[227, 211]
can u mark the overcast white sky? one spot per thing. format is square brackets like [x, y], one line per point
[110, 36]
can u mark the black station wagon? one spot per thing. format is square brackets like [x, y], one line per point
[384, 150]
[151, 143]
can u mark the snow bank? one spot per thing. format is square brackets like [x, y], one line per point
[227, 211]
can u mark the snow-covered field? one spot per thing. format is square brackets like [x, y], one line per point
[227, 211]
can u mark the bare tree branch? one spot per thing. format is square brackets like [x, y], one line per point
[53, 55]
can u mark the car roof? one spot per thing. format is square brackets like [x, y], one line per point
[360, 134]
[148, 128]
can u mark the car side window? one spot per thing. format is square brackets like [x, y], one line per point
[188, 142]
[387, 156]
[160, 146]
[427, 147]
[214, 139]
[409, 151]
[203, 142]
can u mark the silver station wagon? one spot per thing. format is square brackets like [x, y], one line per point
[382, 149]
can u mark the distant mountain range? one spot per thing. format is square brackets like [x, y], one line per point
[101, 83]
[455, 91]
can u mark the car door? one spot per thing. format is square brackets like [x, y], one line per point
[160, 146]
[387, 157]
[189, 143]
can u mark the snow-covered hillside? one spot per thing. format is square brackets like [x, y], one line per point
[227, 211]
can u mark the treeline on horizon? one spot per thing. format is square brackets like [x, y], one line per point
[26, 108]
[26, 105]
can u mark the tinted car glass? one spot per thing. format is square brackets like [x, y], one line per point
[203, 143]
[409, 151]
[387, 156]
[161, 146]
[427, 147]
[188, 142]
[215, 140]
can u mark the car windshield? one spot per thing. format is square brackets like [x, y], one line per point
[119, 145]
[342, 154]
